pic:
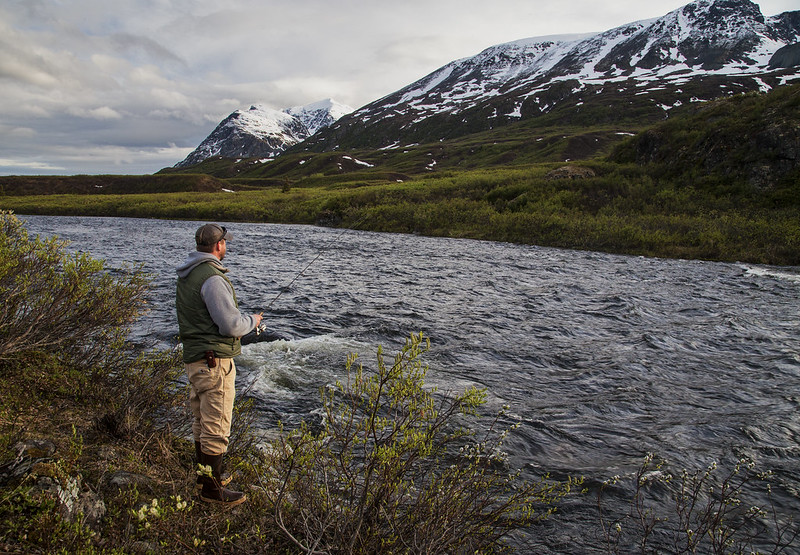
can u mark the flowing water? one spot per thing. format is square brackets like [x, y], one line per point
[602, 358]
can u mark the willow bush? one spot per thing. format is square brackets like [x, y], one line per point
[57, 302]
[706, 510]
[70, 314]
[395, 470]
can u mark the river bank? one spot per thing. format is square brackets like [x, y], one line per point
[596, 206]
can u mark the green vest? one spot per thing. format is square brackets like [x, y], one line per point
[198, 331]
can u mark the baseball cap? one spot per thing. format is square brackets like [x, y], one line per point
[209, 234]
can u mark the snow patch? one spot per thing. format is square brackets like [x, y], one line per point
[359, 162]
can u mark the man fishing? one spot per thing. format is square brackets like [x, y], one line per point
[211, 327]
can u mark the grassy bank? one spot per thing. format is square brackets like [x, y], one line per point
[617, 208]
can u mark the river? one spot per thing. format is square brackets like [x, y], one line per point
[601, 358]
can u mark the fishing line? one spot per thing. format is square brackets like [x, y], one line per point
[262, 327]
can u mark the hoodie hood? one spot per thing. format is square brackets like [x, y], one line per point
[195, 259]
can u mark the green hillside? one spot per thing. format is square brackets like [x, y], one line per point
[749, 140]
[562, 104]
[717, 180]
[26, 185]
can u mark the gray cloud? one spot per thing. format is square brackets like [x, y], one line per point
[89, 86]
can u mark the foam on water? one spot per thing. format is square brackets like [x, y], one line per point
[282, 368]
[777, 273]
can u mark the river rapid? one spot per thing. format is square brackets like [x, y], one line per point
[601, 358]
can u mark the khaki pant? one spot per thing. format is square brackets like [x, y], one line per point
[211, 399]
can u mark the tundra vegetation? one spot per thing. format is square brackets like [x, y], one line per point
[621, 210]
[718, 181]
[94, 456]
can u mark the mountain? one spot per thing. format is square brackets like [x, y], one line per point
[636, 72]
[262, 132]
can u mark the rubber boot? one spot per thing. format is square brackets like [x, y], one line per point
[212, 489]
[226, 478]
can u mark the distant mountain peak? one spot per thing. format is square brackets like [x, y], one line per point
[318, 115]
[263, 132]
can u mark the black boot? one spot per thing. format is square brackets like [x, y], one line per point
[226, 478]
[212, 489]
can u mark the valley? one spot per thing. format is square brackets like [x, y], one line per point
[673, 137]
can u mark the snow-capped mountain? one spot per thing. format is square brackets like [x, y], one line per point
[706, 49]
[319, 115]
[264, 132]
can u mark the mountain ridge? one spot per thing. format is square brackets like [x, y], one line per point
[672, 55]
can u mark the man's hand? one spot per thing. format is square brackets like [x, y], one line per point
[259, 326]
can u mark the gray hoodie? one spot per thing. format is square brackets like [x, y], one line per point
[219, 298]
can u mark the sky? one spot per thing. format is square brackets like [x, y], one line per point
[133, 86]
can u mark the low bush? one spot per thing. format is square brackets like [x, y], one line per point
[60, 303]
[699, 511]
[394, 470]
[72, 309]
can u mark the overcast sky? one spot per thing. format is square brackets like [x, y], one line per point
[132, 86]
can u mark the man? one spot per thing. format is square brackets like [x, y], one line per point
[211, 328]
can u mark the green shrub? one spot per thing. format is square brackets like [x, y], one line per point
[69, 309]
[56, 302]
[709, 512]
[394, 470]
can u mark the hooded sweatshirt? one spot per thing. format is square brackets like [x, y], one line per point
[208, 313]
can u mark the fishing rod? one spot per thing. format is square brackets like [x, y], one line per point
[262, 327]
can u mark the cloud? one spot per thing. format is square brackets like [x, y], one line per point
[18, 132]
[14, 66]
[142, 48]
[12, 167]
[102, 113]
[112, 159]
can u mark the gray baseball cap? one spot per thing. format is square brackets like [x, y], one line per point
[210, 234]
